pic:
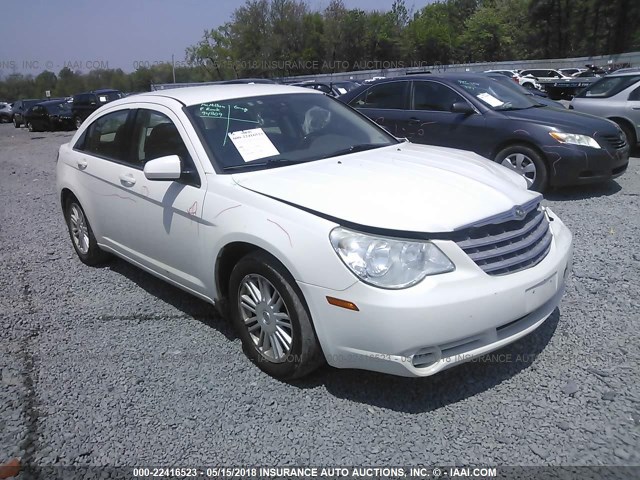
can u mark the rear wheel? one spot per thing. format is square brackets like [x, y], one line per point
[528, 163]
[84, 242]
[16, 123]
[30, 127]
[77, 121]
[271, 318]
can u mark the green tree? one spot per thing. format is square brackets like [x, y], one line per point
[487, 36]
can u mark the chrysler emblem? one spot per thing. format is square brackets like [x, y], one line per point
[520, 213]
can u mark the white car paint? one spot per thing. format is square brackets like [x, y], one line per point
[177, 232]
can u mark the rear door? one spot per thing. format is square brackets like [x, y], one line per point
[386, 104]
[101, 157]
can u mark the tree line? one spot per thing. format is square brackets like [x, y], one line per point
[277, 38]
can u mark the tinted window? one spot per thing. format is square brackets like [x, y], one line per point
[635, 95]
[609, 86]
[302, 127]
[157, 136]
[434, 96]
[389, 95]
[106, 137]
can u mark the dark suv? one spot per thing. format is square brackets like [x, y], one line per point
[19, 109]
[84, 104]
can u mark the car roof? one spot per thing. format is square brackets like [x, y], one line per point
[53, 102]
[213, 93]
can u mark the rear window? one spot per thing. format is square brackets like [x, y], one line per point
[609, 86]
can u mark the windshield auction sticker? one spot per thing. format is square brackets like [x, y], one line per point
[490, 99]
[253, 144]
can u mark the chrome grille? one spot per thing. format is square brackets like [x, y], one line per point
[616, 141]
[510, 246]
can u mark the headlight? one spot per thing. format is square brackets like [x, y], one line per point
[575, 139]
[388, 263]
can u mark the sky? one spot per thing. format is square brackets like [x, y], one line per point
[91, 34]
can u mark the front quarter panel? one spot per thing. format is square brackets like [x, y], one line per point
[298, 239]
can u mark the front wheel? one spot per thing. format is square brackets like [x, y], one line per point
[528, 163]
[271, 318]
[30, 127]
[629, 133]
[16, 123]
[84, 242]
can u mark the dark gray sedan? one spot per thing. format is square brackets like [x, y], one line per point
[548, 146]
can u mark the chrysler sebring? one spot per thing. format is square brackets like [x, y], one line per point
[320, 235]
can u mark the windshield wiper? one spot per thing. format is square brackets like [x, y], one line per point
[361, 147]
[274, 162]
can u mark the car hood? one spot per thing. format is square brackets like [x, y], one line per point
[405, 187]
[564, 120]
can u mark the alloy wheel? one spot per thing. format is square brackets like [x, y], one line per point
[265, 317]
[79, 229]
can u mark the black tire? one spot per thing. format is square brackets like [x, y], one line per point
[529, 85]
[30, 127]
[93, 256]
[77, 121]
[16, 123]
[305, 354]
[541, 179]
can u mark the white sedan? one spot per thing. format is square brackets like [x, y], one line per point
[320, 235]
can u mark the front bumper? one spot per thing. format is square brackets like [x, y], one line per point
[445, 319]
[573, 165]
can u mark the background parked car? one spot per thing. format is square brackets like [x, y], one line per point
[544, 74]
[6, 112]
[51, 115]
[345, 86]
[329, 89]
[616, 97]
[526, 81]
[20, 107]
[84, 104]
[571, 72]
[548, 146]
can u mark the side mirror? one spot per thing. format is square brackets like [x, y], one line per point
[163, 168]
[462, 107]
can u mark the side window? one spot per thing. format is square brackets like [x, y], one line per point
[389, 95]
[107, 137]
[434, 96]
[157, 136]
[635, 95]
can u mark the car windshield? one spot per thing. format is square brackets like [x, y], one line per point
[275, 130]
[494, 94]
[608, 86]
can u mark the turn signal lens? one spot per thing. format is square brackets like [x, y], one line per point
[343, 303]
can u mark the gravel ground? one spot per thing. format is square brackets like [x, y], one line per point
[109, 366]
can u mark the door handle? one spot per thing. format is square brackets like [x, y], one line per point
[82, 164]
[414, 121]
[127, 180]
